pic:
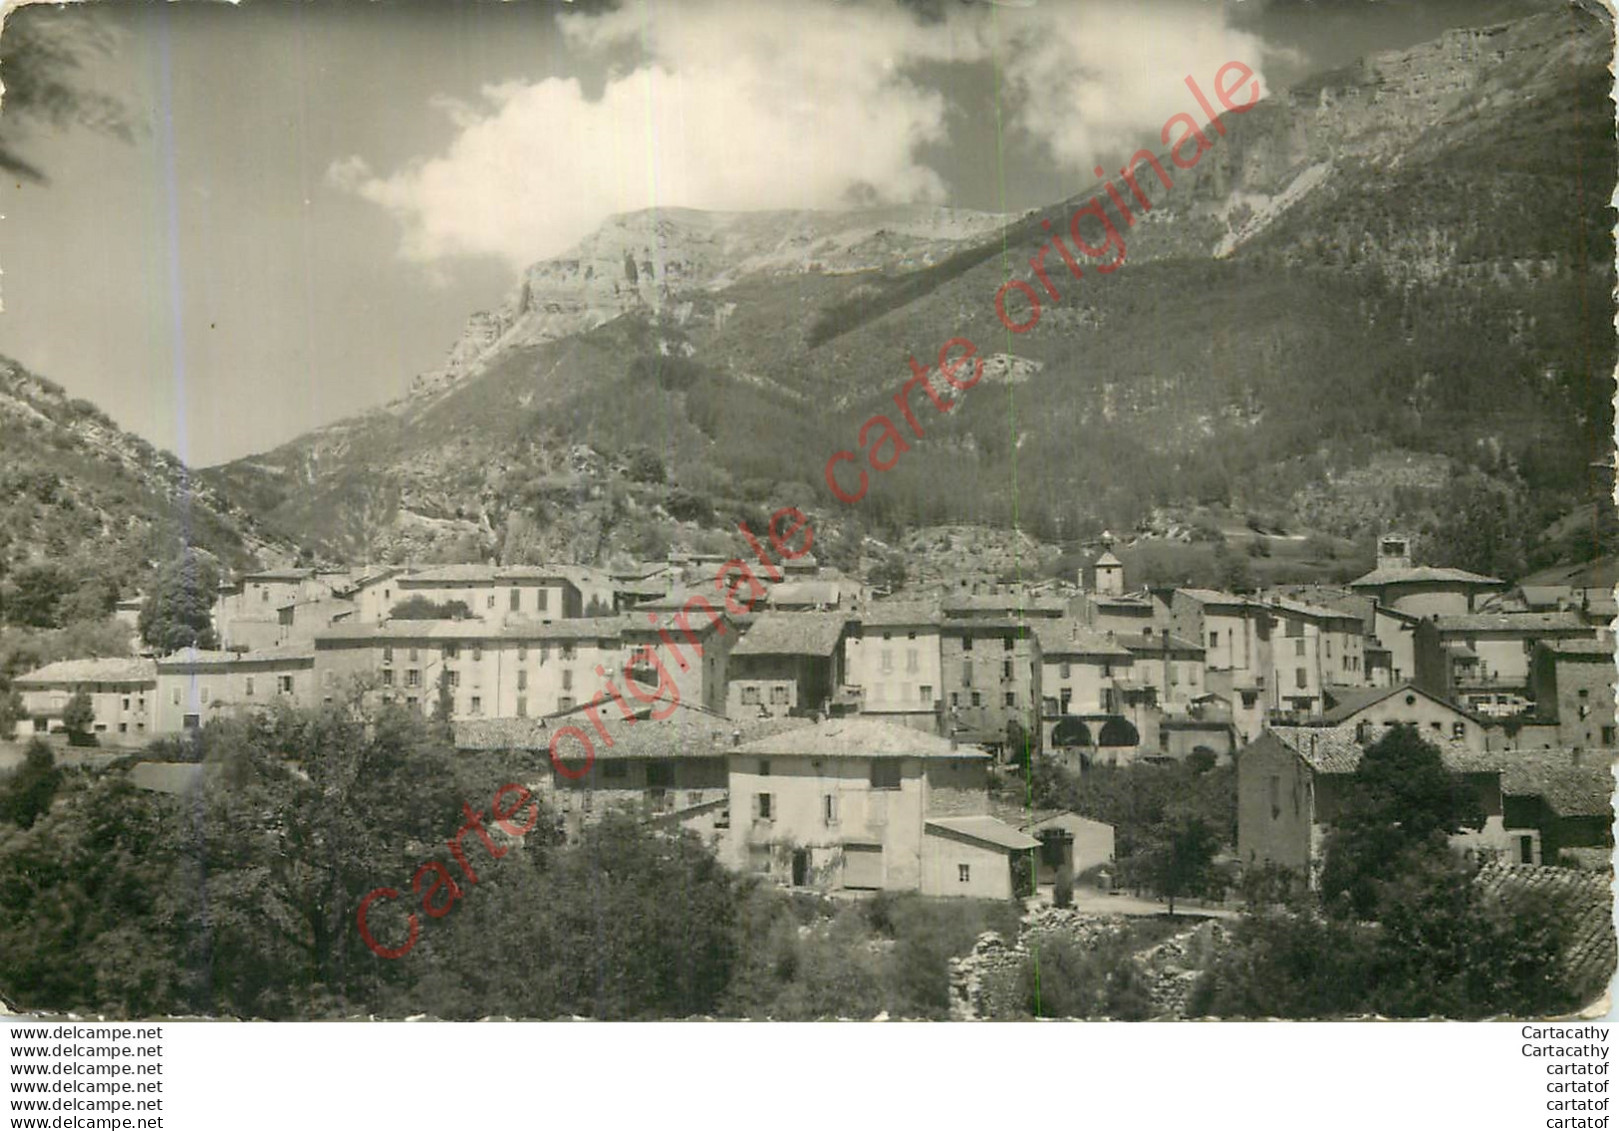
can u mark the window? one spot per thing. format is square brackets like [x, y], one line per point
[764, 767]
[247, 687]
[955, 699]
[1302, 677]
[615, 770]
[203, 696]
[544, 597]
[1298, 646]
[286, 685]
[1607, 736]
[779, 696]
[387, 677]
[762, 807]
[978, 700]
[564, 702]
[1048, 706]
[570, 651]
[910, 636]
[829, 808]
[388, 654]
[660, 775]
[1006, 670]
[567, 679]
[477, 651]
[1434, 726]
[966, 644]
[522, 706]
[516, 600]
[1214, 640]
[411, 701]
[750, 695]
[522, 679]
[522, 652]
[966, 673]
[477, 705]
[452, 651]
[887, 660]
[414, 656]
[964, 873]
[123, 728]
[913, 662]
[1585, 693]
[126, 698]
[491, 602]
[1011, 699]
[413, 678]
[1275, 797]
[885, 773]
[1065, 670]
[453, 678]
[925, 693]
[1458, 730]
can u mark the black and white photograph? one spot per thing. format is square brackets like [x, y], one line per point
[812, 511]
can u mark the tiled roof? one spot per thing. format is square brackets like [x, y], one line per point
[859, 738]
[1219, 597]
[171, 777]
[481, 574]
[1409, 574]
[688, 732]
[898, 614]
[1569, 790]
[956, 604]
[988, 830]
[1108, 559]
[279, 575]
[573, 628]
[1336, 750]
[793, 634]
[1597, 648]
[278, 654]
[1064, 820]
[1350, 701]
[1314, 612]
[1140, 644]
[1587, 897]
[805, 593]
[1511, 622]
[1069, 637]
[107, 670]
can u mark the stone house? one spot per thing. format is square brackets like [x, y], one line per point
[1482, 660]
[1292, 781]
[195, 687]
[1557, 802]
[121, 691]
[1572, 682]
[990, 668]
[893, 654]
[786, 664]
[496, 592]
[1372, 710]
[858, 803]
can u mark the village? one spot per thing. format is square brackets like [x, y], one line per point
[839, 738]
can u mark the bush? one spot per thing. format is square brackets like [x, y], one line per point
[32, 788]
[418, 607]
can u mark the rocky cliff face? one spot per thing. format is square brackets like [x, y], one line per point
[1370, 264]
[644, 261]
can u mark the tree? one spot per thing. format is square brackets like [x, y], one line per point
[1180, 857]
[890, 572]
[179, 612]
[34, 595]
[12, 712]
[645, 466]
[79, 718]
[1401, 805]
[419, 607]
[45, 53]
[32, 788]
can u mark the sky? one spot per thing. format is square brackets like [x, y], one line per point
[311, 198]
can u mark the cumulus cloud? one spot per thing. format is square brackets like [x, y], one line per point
[778, 104]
